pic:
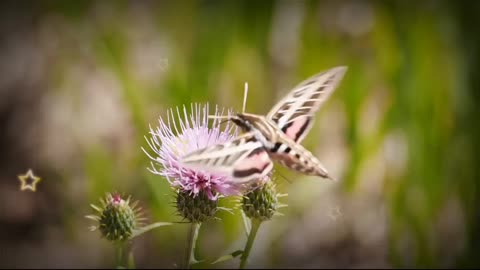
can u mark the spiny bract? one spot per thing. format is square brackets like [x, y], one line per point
[197, 208]
[261, 203]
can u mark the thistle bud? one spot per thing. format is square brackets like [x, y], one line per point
[117, 218]
[261, 203]
[195, 208]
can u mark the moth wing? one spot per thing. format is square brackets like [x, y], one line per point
[243, 159]
[294, 113]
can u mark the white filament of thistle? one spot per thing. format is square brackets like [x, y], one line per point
[218, 117]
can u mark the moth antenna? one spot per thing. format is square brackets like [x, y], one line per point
[245, 93]
[224, 121]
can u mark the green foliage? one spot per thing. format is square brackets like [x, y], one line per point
[408, 104]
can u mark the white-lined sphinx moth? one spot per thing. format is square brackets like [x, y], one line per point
[276, 136]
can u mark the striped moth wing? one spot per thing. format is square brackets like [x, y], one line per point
[294, 113]
[243, 159]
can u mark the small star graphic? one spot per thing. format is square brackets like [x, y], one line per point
[335, 213]
[163, 63]
[24, 181]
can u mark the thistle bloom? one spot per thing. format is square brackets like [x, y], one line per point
[117, 218]
[172, 139]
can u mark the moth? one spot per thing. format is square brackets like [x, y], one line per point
[274, 137]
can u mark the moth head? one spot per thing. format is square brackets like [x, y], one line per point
[241, 121]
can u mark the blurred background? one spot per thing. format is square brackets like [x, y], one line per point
[80, 82]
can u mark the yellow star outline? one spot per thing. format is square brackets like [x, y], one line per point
[24, 183]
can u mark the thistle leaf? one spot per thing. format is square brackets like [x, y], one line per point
[148, 228]
[228, 257]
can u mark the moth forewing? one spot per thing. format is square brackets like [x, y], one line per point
[303, 102]
[242, 159]
[241, 145]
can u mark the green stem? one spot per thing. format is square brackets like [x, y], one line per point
[192, 240]
[251, 238]
[131, 260]
[124, 256]
[119, 260]
[247, 224]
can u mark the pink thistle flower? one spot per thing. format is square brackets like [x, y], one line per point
[116, 198]
[172, 139]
